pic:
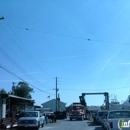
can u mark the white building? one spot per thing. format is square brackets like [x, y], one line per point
[52, 105]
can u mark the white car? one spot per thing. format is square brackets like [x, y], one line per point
[117, 120]
[31, 119]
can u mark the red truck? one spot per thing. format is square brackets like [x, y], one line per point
[78, 112]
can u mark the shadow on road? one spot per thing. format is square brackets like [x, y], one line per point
[98, 128]
[91, 123]
[72, 120]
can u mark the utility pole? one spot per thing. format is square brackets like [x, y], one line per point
[56, 93]
[13, 87]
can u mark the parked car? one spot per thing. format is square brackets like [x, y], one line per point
[94, 114]
[100, 116]
[103, 120]
[117, 119]
[31, 119]
[51, 116]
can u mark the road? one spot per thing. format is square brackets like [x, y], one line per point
[71, 125]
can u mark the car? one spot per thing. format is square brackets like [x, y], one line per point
[117, 119]
[51, 116]
[103, 120]
[99, 116]
[31, 119]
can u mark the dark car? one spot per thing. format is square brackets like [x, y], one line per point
[51, 116]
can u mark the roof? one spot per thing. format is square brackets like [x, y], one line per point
[5, 96]
[52, 100]
[13, 96]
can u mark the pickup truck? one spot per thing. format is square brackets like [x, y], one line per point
[117, 120]
[31, 119]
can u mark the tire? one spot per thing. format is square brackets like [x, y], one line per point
[82, 118]
[38, 126]
[70, 119]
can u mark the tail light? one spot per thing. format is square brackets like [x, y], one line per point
[111, 125]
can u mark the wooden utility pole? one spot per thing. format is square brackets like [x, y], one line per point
[56, 94]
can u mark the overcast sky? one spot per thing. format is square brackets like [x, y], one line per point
[85, 43]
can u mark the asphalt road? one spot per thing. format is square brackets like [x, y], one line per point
[71, 125]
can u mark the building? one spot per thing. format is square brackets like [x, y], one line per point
[51, 104]
[93, 107]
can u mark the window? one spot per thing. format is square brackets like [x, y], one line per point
[119, 114]
[102, 113]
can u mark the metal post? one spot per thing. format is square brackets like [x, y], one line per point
[4, 108]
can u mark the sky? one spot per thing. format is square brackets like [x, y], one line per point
[84, 43]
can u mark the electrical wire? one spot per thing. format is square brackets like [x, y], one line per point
[17, 66]
[93, 89]
[74, 37]
[19, 46]
[17, 56]
[23, 80]
[26, 52]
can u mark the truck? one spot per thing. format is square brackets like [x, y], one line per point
[31, 119]
[78, 112]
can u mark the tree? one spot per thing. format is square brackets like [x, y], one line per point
[2, 91]
[22, 89]
[68, 108]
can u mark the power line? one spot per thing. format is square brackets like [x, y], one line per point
[25, 52]
[16, 54]
[17, 66]
[93, 89]
[19, 46]
[23, 80]
[74, 37]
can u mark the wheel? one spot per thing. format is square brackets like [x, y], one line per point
[38, 126]
[82, 118]
[70, 119]
[55, 119]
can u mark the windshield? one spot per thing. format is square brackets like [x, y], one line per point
[30, 114]
[77, 107]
